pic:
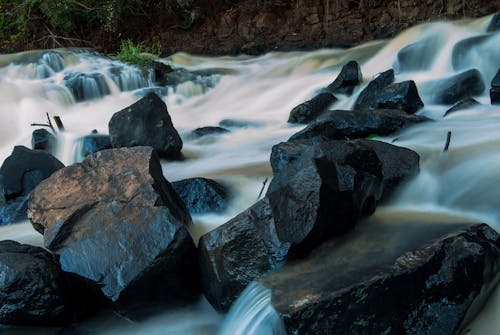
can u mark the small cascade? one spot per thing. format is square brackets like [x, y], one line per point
[253, 314]
[129, 78]
[49, 63]
[87, 86]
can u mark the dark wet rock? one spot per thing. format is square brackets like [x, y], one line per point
[461, 105]
[349, 77]
[235, 123]
[94, 142]
[2, 196]
[495, 89]
[339, 124]
[311, 109]
[477, 51]
[323, 188]
[373, 89]
[431, 278]
[42, 139]
[160, 71]
[202, 195]
[86, 86]
[494, 23]
[239, 252]
[145, 123]
[24, 169]
[402, 96]
[15, 210]
[33, 290]
[206, 131]
[119, 228]
[457, 87]
[416, 56]
[207, 79]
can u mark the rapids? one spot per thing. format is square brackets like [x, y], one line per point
[461, 184]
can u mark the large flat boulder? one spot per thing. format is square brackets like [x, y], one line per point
[119, 228]
[457, 87]
[145, 123]
[389, 278]
[33, 290]
[340, 124]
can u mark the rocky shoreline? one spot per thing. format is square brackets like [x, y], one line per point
[116, 233]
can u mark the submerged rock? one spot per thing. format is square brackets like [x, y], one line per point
[478, 51]
[239, 252]
[495, 89]
[146, 123]
[42, 139]
[119, 227]
[431, 278]
[461, 105]
[235, 123]
[494, 23]
[15, 210]
[340, 124]
[416, 56]
[93, 143]
[202, 195]
[206, 131]
[349, 77]
[33, 290]
[457, 87]
[311, 109]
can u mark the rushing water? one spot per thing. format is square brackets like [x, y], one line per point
[259, 92]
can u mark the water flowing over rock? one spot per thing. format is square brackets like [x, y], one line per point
[479, 51]
[42, 139]
[325, 187]
[311, 109]
[349, 77]
[87, 86]
[146, 123]
[128, 78]
[461, 105]
[33, 290]
[202, 195]
[119, 227]
[494, 23]
[416, 56]
[431, 278]
[495, 89]
[239, 252]
[340, 124]
[457, 87]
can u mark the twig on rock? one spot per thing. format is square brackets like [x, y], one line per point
[448, 138]
[262, 189]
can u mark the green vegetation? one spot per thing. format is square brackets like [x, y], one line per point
[137, 54]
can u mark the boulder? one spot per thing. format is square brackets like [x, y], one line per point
[2, 196]
[202, 195]
[495, 89]
[432, 278]
[93, 143]
[457, 87]
[86, 86]
[239, 252]
[349, 77]
[402, 96]
[14, 210]
[119, 228]
[33, 290]
[145, 123]
[330, 185]
[416, 56]
[24, 169]
[311, 109]
[461, 105]
[236, 123]
[339, 124]
[160, 71]
[42, 139]
[494, 23]
[373, 89]
[206, 131]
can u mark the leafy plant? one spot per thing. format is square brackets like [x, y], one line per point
[137, 54]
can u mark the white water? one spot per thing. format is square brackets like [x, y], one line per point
[463, 182]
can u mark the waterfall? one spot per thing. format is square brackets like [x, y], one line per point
[256, 95]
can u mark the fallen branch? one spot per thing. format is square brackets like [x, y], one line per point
[448, 138]
[59, 123]
[48, 124]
